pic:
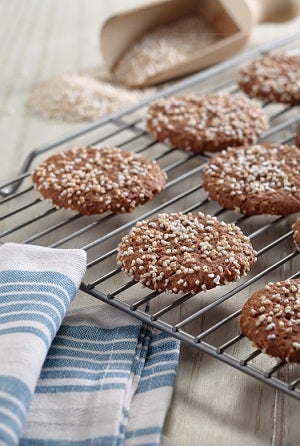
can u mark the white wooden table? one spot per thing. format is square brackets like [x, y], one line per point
[212, 403]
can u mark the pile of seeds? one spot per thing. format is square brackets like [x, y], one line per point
[71, 97]
[163, 48]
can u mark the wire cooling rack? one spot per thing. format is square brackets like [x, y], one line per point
[208, 321]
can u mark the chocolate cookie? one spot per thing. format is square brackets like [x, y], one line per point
[185, 253]
[207, 123]
[253, 180]
[271, 320]
[297, 139]
[93, 180]
[296, 228]
[272, 78]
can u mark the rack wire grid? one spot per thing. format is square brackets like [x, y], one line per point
[208, 321]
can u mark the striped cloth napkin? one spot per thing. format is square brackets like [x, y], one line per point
[93, 377]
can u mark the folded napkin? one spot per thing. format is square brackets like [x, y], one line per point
[107, 378]
[37, 286]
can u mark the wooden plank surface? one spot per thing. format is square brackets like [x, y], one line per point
[212, 403]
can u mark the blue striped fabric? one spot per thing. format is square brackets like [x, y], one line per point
[30, 299]
[93, 377]
[15, 397]
[105, 369]
[83, 366]
[32, 305]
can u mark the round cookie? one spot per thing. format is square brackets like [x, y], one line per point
[272, 78]
[296, 228]
[185, 253]
[205, 123]
[253, 180]
[271, 319]
[93, 180]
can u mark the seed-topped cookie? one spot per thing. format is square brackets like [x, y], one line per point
[205, 123]
[93, 180]
[272, 78]
[296, 228]
[185, 253]
[271, 319]
[259, 179]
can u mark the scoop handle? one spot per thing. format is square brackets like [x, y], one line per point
[273, 10]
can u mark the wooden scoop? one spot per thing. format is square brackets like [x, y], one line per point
[231, 20]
